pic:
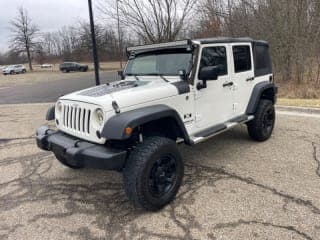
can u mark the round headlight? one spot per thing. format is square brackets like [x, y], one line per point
[59, 106]
[99, 116]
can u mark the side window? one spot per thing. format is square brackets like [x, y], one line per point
[262, 60]
[215, 56]
[242, 58]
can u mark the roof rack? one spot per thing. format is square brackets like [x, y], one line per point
[177, 44]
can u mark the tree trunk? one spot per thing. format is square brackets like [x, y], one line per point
[29, 58]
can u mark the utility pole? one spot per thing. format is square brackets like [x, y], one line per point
[230, 28]
[119, 34]
[94, 44]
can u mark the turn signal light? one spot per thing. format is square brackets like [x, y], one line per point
[128, 131]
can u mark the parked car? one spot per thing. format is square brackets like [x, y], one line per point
[46, 65]
[73, 67]
[14, 69]
[170, 93]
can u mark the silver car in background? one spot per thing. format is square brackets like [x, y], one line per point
[14, 69]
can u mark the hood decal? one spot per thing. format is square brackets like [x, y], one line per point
[110, 88]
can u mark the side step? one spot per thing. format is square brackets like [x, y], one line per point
[220, 128]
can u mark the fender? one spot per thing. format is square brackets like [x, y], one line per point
[50, 114]
[265, 90]
[115, 127]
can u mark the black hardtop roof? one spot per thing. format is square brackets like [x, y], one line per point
[229, 40]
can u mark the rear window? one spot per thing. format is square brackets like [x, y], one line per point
[242, 58]
[262, 60]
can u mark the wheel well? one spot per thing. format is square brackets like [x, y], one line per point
[167, 127]
[164, 127]
[269, 94]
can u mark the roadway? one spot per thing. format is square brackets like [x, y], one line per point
[49, 91]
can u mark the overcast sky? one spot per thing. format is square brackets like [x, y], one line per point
[49, 15]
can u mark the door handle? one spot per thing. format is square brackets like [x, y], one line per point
[228, 84]
[250, 79]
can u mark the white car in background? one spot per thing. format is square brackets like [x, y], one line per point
[14, 69]
[46, 65]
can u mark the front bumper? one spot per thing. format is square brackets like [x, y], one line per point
[79, 153]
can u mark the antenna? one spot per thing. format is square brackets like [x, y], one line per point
[94, 45]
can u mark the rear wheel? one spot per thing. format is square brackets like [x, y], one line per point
[153, 173]
[261, 128]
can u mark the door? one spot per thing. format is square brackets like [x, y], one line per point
[213, 104]
[242, 76]
[16, 69]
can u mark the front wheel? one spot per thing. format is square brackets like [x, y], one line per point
[261, 127]
[153, 173]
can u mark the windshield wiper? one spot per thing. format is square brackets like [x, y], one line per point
[157, 74]
[166, 80]
[135, 76]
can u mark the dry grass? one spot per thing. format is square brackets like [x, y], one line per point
[299, 91]
[315, 103]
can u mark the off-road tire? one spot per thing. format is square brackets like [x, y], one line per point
[62, 160]
[140, 167]
[261, 127]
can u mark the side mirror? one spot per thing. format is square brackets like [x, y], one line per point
[120, 73]
[209, 73]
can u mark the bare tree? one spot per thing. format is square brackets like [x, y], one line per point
[152, 21]
[24, 33]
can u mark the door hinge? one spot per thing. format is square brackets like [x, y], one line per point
[198, 117]
[235, 107]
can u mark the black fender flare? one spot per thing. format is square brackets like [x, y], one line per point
[258, 93]
[50, 114]
[114, 128]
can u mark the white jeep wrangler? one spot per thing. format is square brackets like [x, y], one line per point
[184, 91]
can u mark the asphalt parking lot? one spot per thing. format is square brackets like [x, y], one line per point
[50, 90]
[233, 188]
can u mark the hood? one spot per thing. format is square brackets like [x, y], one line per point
[8, 68]
[126, 93]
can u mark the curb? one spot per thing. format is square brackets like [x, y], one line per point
[298, 109]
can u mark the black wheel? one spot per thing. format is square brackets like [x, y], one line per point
[153, 173]
[11, 72]
[261, 128]
[64, 162]
[24, 71]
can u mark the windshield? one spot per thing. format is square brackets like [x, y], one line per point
[159, 63]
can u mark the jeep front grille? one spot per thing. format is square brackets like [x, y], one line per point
[76, 118]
